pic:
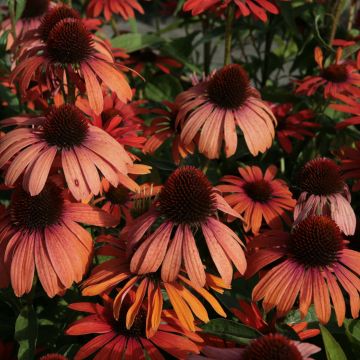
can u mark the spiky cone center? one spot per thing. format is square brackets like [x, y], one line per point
[35, 8]
[320, 176]
[272, 347]
[259, 191]
[138, 328]
[118, 195]
[335, 73]
[229, 88]
[65, 127]
[53, 17]
[316, 242]
[70, 42]
[36, 212]
[187, 197]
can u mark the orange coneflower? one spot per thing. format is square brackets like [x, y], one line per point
[124, 8]
[311, 262]
[149, 289]
[115, 341]
[258, 8]
[269, 347]
[64, 48]
[293, 125]
[164, 127]
[187, 203]
[64, 131]
[42, 232]
[350, 164]
[216, 106]
[324, 191]
[339, 78]
[257, 196]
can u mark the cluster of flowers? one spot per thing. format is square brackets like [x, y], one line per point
[71, 164]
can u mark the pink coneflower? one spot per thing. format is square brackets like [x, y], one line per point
[323, 191]
[62, 131]
[69, 51]
[310, 262]
[42, 232]
[258, 8]
[150, 290]
[257, 196]
[124, 8]
[186, 203]
[339, 78]
[163, 128]
[269, 347]
[115, 341]
[293, 125]
[215, 107]
[350, 164]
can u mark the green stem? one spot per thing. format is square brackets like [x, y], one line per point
[230, 14]
[70, 98]
[206, 166]
[11, 5]
[336, 13]
[207, 46]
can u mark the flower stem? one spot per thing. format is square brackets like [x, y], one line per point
[336, 13]
[207, 46]
[230, 14]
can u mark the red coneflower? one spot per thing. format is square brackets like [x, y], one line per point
[324, 191]
[257, 196]
[149, 290]
[115, 341]
[310, 261]
[139, 59]
[186, 203]
[164, 127]
[339, 78]
[292, 125]
[64, 131]
[69, 51]
[217, 106]
[350, 164]
[41, 231]
[124, 8]
[258, 8]
[351, 107]
[269, 347]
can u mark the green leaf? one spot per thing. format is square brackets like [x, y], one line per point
[20, 6]
[134, 41]
[332, 347]
[26, 329]
[352, 330]
[231, 330]
[166, 87]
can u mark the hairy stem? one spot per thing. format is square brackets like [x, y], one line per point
[230, 13]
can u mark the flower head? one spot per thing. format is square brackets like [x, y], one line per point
[149, 290]
[114, 340]
[311, 262]
[42, 232]
[62, 131]
[187, 202]
[293, 125]
[215, 107]
[323, 191]
[257, 196]
[339, 78]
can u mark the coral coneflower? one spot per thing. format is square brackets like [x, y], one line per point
[124, 8]
[257, 196]
[293, 125]
[186, 203]
[42, 232]
[310, 262]
[323, 191]
[64, 131]
[115, 341]
[164, 127]
[216, 106]
[149, 289]
[68, 50]
[269, 347]
[339, 78]
[350, 164]
[258, 8]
